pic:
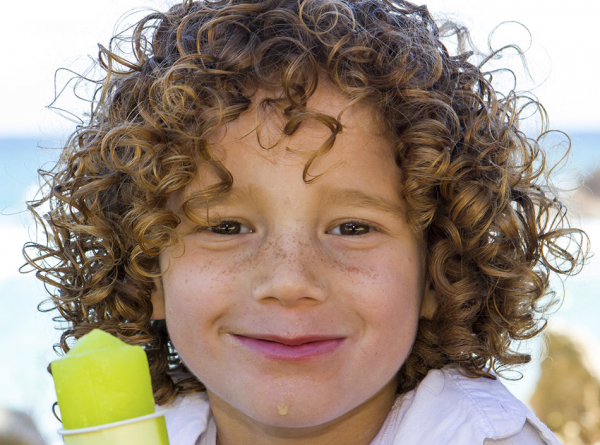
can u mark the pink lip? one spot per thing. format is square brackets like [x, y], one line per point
[294, 349]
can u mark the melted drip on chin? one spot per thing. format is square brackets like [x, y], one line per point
[283, 408]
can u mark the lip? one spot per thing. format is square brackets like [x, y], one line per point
[293, 349]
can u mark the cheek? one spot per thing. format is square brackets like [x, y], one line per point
[391, 307]
[197, 292]
[385, 283]
[387, 295]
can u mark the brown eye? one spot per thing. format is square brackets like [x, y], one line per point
[351, 228]
[229, 228]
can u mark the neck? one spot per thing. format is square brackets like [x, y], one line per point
[357, 427]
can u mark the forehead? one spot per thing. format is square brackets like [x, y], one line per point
[262, 126]
[358, 172]
[258, 155]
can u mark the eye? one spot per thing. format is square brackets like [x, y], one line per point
[351, 228]
[229, 228]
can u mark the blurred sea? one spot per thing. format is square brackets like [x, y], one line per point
[27, 335]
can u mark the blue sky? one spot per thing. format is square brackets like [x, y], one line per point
[40, 36]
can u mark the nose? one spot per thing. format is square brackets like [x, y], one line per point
[291, 270]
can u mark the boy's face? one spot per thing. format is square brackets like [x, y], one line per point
[302, 305]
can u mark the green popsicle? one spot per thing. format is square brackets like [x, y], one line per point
[102, 380]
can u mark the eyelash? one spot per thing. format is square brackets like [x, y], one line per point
[369, 227]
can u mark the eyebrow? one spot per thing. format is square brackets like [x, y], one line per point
[329, 197]
[359, 198]
[239, 195]
[234, 196]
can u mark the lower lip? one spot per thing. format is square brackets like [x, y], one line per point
[279, 351]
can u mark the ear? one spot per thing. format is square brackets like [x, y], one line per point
[158, 300]
[429, 302]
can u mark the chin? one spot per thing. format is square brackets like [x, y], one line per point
[285, 408]
[295, 414]
[293, 406]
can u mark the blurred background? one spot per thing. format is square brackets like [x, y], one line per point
[560, 43]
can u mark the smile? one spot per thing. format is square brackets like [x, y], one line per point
[293, 349]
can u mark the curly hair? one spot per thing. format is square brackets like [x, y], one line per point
[474, 182]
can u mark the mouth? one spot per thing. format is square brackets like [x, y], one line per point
[293, 349]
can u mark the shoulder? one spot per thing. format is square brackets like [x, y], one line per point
[529, 435]
[187, 418]
[449, 408]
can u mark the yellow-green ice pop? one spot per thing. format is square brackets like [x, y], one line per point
[102, 380]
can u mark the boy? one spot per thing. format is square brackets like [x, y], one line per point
[322, 226]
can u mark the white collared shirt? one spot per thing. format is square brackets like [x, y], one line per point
[446, 408]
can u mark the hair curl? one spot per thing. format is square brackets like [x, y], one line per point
[474, 182]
